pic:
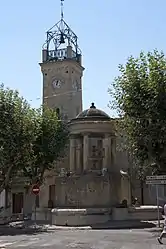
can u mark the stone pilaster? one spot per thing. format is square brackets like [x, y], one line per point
[113, 149]
[72, 154]
[107, 151]
[85, 151]
[79, 157]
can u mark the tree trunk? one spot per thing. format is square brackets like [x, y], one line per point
[142, 191]
[5, 181]
[29, 200]
[6, 197]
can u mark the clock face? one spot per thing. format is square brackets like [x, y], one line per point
[56, 83]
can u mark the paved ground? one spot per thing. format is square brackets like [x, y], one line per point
[85, 239]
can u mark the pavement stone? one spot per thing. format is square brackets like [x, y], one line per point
[92, 239]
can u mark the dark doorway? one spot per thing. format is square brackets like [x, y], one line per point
[18, 199]
[52, 196]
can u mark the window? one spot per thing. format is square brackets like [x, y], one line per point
[51, 196]
[58, 112]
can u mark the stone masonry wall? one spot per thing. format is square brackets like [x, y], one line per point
[85, 191]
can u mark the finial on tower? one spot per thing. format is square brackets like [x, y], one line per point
[62, 13]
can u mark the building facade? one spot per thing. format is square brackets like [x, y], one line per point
[88, 176]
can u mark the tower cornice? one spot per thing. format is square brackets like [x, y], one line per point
[62, 62]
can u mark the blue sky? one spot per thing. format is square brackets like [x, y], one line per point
[109, 31]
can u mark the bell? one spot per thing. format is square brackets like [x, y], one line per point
[62, 40]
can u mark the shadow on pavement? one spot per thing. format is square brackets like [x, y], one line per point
[21, 228]
[16, 231]
[29, 228]
[124, 225]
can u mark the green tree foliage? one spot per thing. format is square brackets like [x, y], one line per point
[139, 96]
[51, 139]
[16, 134]
[30, 140]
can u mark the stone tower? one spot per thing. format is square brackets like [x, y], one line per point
[62, 70]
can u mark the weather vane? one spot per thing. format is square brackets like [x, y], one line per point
[62, 8]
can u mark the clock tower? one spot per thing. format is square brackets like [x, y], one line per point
[62, 70]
